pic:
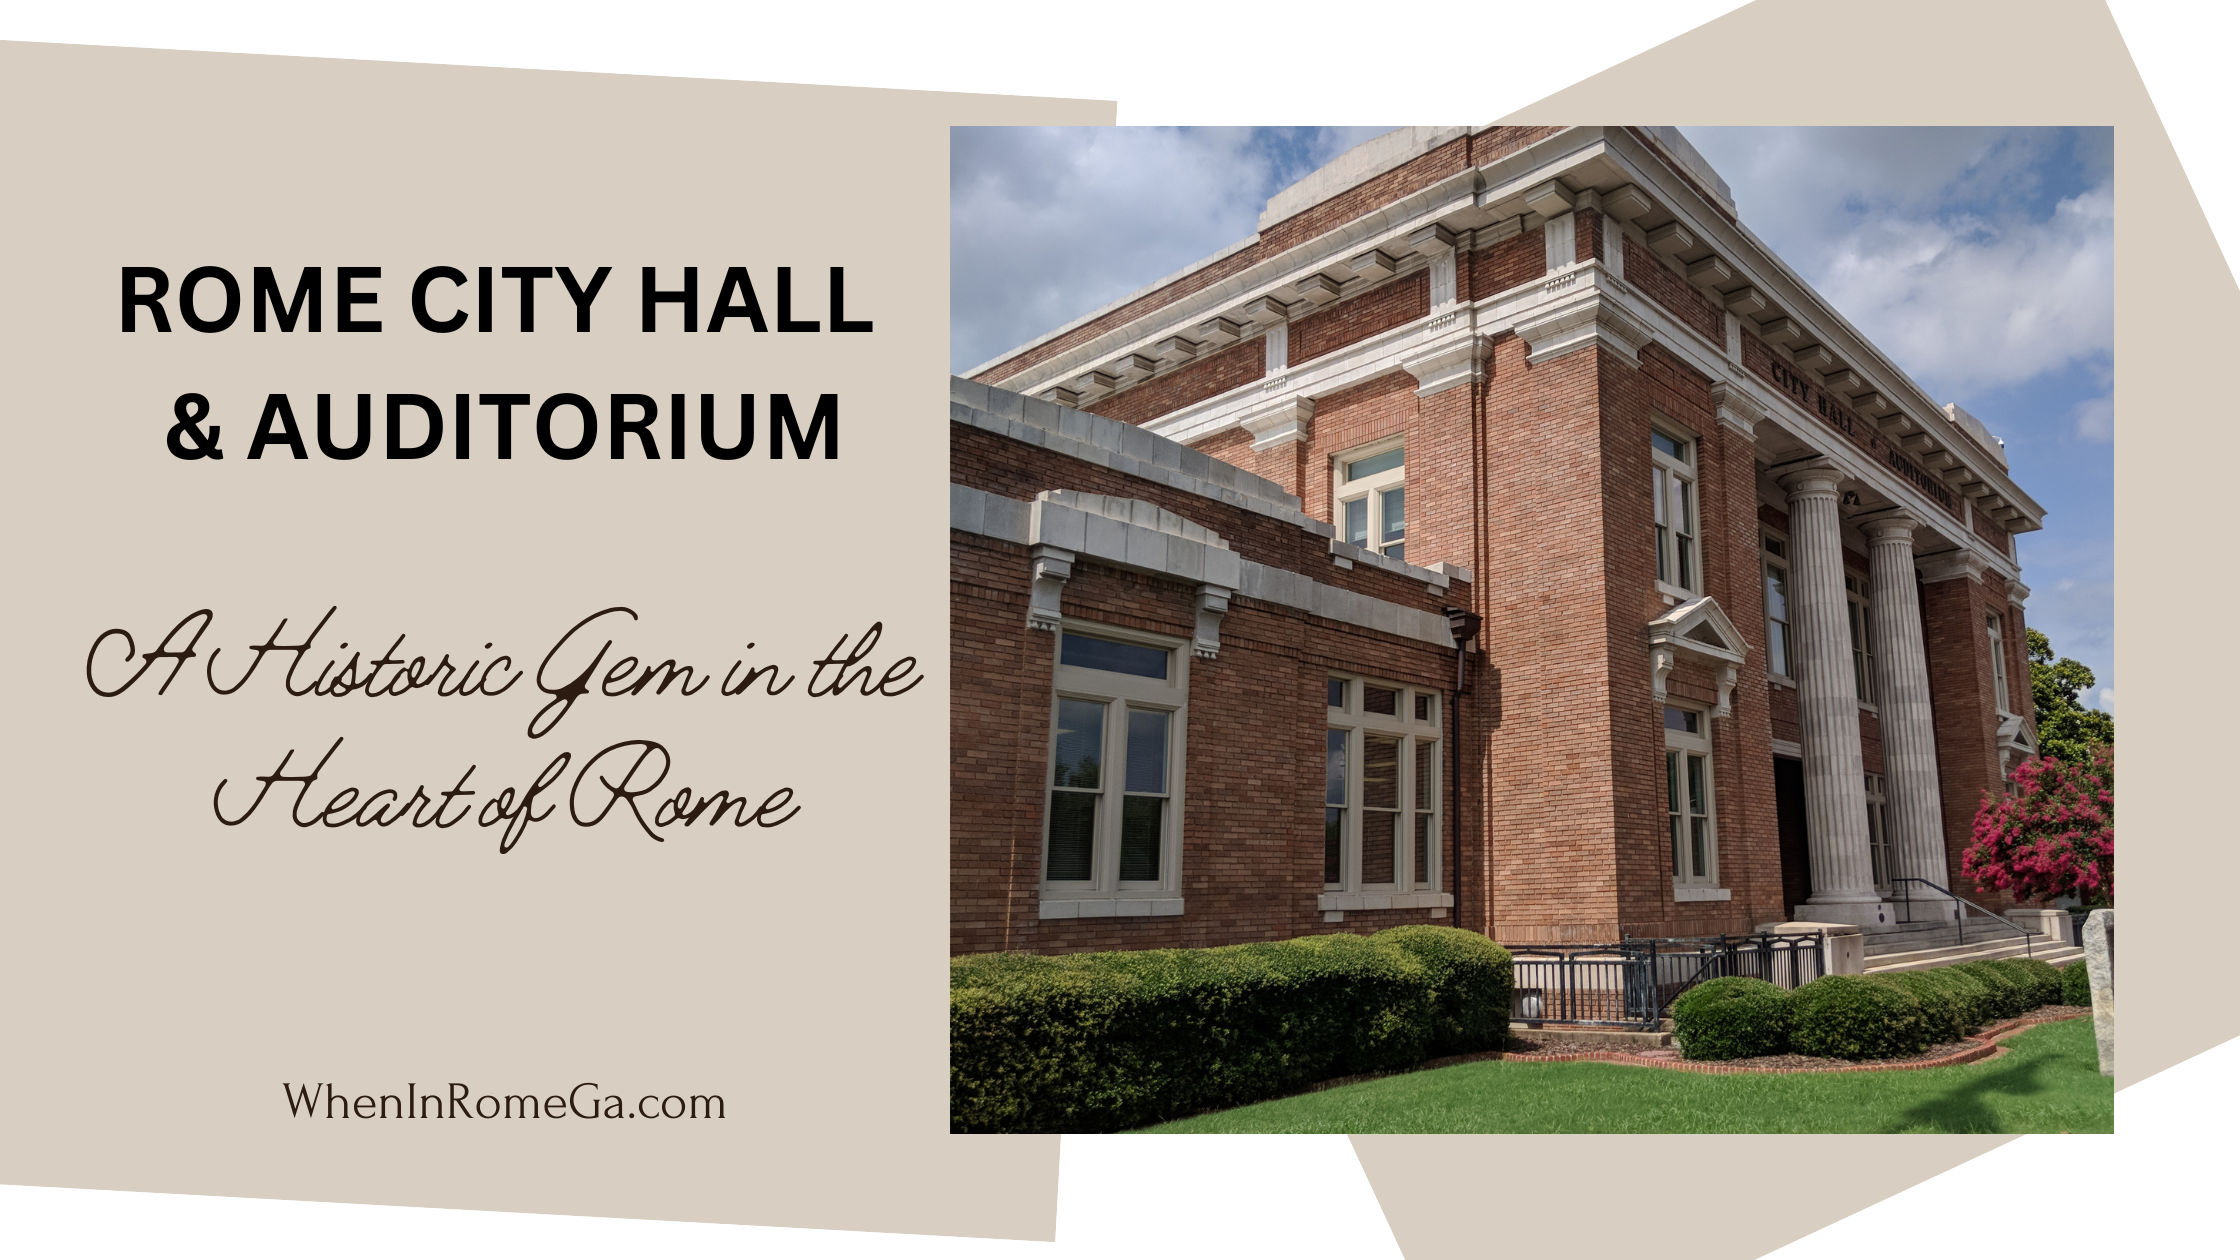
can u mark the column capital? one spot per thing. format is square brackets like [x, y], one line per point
[1893, 527]
[2017, 593]
[1817, 477]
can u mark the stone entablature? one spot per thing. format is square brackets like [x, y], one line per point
[1543, 183]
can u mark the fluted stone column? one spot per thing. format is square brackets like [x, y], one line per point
[1835, 785]
[1909, 729]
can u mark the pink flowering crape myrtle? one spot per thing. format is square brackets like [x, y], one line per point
[2052, 834]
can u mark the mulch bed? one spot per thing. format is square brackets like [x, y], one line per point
[1982, 1045]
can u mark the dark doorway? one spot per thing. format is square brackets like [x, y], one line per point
[1788, 808]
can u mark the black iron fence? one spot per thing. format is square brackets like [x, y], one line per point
[1632, 984]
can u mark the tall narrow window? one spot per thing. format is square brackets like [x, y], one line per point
[1372, 497]
[1335, 778]
[1878, 834]
[1076, 790]
[1862, 637]
[1687, 794]
[1777, 608]
[1381, 788]
[1143, 814]
[1427, 805]
[1673, 491]
[1111, 823]
[1991, 629]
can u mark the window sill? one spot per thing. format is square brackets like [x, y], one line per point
[1384, 901]
[1111, 908]
[1702, 894]
[1782, 680]
[1677, 594]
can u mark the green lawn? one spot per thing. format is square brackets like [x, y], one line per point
[2048, 1082]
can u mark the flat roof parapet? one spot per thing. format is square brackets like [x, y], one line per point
[1123, 448]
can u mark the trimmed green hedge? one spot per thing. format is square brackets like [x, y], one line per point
[1080, 1043]
[2076, 985]
[2007, 999]
[1856, 1017]
[1733, 1017]
[1951, 1003]
[2040, 981]
[1470, 981]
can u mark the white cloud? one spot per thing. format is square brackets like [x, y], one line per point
[1946, 245]
[1048, 224]
[2096, 418]
[1976, 303]
[2107, 702]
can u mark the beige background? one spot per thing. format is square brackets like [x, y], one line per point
[1943, 62]
[166, 974]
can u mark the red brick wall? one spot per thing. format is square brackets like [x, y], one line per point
[1586, 235]
[1251, 816]
[1647, 272]
[1338, 326]
[1382, 407]
[1216, 373]
[1967, 724]
[1506, 264]
[1551, 817]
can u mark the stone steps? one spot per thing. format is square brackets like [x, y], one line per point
[1936, 935]
[2050, 952]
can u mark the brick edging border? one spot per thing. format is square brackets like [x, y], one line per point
[1986, 1046]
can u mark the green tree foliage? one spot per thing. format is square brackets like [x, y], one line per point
[2066, 729]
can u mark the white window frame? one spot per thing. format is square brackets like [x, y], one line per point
[1768, 560]
[1859, 612]
[1679, 746]
[1994, 628]
[1355, 723]
[1370, 492]
[1120, 693]
[1665, 471]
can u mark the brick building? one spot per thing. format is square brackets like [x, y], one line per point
[1748, 617]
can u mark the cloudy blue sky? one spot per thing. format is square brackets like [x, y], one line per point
[1981, 260]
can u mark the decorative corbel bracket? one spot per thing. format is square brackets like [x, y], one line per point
[1212, 602]
[1052, 567]
[1727, 676]
[1275, 424]
[1445, 364]
[1660, 666]
[1588, 319]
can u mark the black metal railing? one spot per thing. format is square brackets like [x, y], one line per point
[1903, 890]
[1631, 984]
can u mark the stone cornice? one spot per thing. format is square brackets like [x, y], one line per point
[1060, 532]
[1490, 189]
[1758, 268]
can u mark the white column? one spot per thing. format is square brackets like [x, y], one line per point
[1835, 785]
[1909, 734]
